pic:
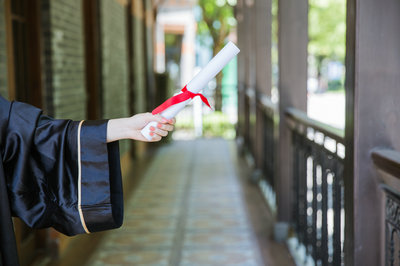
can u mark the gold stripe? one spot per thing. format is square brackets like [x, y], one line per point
[80, 180]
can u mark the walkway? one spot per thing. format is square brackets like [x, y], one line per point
[190, 209]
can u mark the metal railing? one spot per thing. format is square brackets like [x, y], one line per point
[267, 110]
[250, 105]
[388, 162]
[318, 211]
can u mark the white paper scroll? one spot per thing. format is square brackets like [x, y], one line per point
[198, 82]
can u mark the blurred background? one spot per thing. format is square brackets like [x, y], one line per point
[162, 50]
[214, 24]
[277, 162]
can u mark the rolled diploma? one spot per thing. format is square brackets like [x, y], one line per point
[198, 83]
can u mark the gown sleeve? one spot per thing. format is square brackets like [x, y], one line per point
[60, 173]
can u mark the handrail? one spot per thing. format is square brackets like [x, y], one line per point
[267, 105]
[251, 92]
[387, 160]
[319, 162]
[302, 118]
[267, 117]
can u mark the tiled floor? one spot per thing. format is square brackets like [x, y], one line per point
[188, 210]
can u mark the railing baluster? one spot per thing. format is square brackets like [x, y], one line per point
[304, 189]
[308, 229]
[296, 183]
[265, 146]
[318, 173]
[314, 204]
[270, 141]
[268, 148]
[301, 189]
[247, 121]
[337, 206]
[324, 229]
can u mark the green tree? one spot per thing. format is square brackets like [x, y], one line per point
[217, 22]
[327, 31]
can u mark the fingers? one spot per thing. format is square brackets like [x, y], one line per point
[158, 131]
[155, 137]
[166, 127]
[158, 118]
[172, 121]
[163, 126]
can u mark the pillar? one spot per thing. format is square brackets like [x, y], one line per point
[292, 43]
[262, 39]
[372, 120]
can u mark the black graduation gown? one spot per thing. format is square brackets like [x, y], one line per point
[55, 173]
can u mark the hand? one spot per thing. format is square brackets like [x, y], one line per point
[129, 128]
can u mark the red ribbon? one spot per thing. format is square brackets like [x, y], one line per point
[185, 95]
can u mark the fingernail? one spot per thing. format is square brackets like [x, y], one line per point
[164, 120]
[171, 121]
[152, 128]
[151, 134]
[159, 125]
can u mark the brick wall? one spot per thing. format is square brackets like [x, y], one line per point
[64, 59]
[3, 53]
[149, 47]
[139, 71]
[114, 59]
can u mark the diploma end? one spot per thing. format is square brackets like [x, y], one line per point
[146, 130]
[234, 47]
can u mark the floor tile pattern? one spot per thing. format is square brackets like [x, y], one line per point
[188, 210]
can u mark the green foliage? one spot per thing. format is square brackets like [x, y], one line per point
[215, 124]
[335, 85]
[274, 44]
[217, 20]
[327, 29]
[184, 122]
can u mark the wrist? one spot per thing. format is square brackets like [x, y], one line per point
[117, 129]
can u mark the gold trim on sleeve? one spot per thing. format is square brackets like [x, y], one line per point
[80, 180]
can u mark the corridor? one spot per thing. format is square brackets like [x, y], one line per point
[194, 207]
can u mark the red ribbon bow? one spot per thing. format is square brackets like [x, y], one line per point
[185, 95]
